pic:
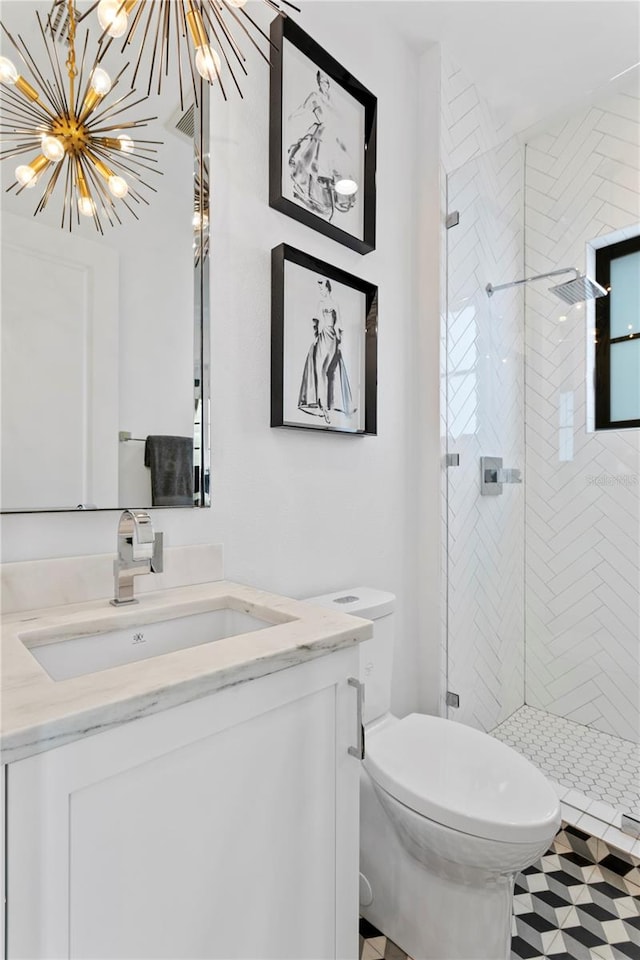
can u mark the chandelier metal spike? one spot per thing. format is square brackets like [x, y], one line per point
[78, 136]
[202, 37]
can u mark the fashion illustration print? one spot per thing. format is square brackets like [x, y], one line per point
[325, 384]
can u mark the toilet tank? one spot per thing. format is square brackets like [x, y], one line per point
[376, 655]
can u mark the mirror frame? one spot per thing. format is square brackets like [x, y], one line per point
[201, 326]
[201, 301]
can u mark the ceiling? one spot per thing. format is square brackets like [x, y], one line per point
[531, 59]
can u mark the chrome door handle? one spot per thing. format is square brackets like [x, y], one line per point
[358, 751]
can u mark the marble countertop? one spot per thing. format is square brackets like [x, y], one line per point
[38, 713]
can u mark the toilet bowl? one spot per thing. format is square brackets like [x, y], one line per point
[448, 816]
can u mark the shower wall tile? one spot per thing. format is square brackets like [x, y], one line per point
[483, 403]
[582, 488]
[469, 127]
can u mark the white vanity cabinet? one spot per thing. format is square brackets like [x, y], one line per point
[226, 827]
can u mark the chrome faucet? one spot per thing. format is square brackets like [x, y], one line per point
[139, 551]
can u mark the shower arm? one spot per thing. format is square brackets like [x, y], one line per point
[540, 276]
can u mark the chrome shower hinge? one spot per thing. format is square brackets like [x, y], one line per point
[453, 219]
[452, 700]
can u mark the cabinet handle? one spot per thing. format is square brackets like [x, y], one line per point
[359, 750]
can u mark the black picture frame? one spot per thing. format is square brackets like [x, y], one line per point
[303, 367]
[283, 30]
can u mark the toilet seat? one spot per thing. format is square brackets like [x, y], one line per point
[462, 778]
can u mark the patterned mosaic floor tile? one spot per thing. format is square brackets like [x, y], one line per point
[578, 902]
[375, 946]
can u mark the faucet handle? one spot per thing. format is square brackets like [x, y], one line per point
[139, 551]
[136, 528]
[157, 558]
[142, 526]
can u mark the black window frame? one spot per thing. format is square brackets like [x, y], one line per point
[604, 256]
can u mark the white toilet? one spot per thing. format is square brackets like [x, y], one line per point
[449, 815]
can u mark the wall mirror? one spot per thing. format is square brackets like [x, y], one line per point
[105, 338]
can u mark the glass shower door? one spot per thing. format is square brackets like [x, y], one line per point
[483, 345]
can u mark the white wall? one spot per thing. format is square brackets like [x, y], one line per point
[304, 513]
[582, 506]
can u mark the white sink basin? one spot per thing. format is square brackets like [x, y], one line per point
[66, 657]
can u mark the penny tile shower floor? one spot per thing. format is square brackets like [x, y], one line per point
[581, 901]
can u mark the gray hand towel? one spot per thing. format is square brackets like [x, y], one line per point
[170, 460]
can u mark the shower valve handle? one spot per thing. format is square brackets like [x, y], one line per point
[506, 475]
[493, 475]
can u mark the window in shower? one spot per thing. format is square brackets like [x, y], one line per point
[617, 392]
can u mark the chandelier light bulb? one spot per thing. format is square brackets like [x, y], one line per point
[53, 148]
[100, 82]
[118, 187]
[86, 206]
[346, 188]
[208, 63]
[113, 18]
[8, 71]
[126, 143]
[26, 176]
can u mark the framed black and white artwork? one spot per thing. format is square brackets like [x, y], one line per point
[322, 140]
[324, 336]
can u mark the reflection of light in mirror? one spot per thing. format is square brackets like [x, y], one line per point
[100, 82]
[208, 63]
[110, 353]
[67, 118]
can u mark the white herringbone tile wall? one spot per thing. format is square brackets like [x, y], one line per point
[582, 489]
[483, 370]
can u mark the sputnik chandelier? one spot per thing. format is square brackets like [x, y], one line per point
[203, 34]
[85, 145]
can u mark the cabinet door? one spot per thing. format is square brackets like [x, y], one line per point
[226, 827]
[2, 856]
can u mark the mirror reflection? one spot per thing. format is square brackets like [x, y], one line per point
[103, 391]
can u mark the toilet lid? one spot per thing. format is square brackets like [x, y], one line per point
[462, 778]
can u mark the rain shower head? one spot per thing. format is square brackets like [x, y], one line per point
[578, 290]
[571, 291]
